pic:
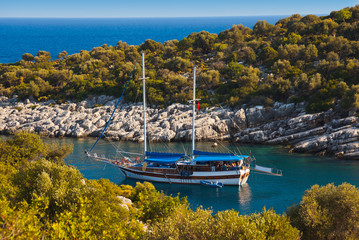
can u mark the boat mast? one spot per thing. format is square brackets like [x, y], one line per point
[144, 103]
[193, 111]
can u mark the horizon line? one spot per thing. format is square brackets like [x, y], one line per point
[278, 15]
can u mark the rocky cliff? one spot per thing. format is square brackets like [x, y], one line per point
[322, 133]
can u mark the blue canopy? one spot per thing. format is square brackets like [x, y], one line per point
[196, 152]
[163, 155]
[162, 160]
[216, 158]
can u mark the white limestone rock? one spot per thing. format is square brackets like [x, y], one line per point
[312, 145]
[240, 119]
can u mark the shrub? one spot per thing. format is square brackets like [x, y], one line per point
[33, 107]
[184, 223]
[154, 205]
[328, 212]
[21, 149]
[18, 108]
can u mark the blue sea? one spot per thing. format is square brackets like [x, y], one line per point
[29, 35]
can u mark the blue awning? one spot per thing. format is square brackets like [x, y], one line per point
[196, 152]
[217, 158]
[164, 155]
[162, 160]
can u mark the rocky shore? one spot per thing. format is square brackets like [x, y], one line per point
[322, 133]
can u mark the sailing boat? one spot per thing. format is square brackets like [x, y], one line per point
[199, 167]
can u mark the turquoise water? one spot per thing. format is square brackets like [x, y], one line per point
[300, 172]
[29, 35]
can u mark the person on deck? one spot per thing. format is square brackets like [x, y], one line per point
[224, 167]
[240, 163]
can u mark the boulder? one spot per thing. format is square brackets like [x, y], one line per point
[312, 145]
[283, 110]
[204, 133]
[255, 116]
[240, 119]
[77, 132]
[336, 123]
[100, 123]
[161, 135]
[86, 124]
[293, 138]
[257, 136]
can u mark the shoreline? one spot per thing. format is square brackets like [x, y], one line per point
[323, 133]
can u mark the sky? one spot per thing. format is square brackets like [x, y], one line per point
[166, 8]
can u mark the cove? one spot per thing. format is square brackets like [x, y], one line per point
[300, 172]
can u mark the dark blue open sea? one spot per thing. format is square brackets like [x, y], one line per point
[29, 35]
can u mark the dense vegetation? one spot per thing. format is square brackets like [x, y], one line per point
[42, 197]
[312, 59]
[328, 212]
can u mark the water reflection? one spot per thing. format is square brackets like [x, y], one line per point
[244, 196]
[218, 192]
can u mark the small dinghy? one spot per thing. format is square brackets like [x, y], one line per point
[215, 184]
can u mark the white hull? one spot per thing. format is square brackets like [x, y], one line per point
[236, 177]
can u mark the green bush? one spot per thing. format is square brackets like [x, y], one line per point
[328, 212]
[18, 108]
[48, 199]
[153, 205]
[185, 223]
[33, 107]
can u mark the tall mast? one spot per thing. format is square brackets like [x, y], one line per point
[193, 111]
[144, 103]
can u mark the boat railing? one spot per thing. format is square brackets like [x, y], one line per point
[103, 158]
[129, 153]
[96, 156]
[267, 170]
[263, 170]
[278, 172]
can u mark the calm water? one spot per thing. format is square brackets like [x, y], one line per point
[19, 35]
[300, 172]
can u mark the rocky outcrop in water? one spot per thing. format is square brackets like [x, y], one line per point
[322, 133]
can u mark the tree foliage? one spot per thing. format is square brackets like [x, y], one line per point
[185, 223]
[328, 212]
[25, 148]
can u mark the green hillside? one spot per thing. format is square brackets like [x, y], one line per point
[300, 58]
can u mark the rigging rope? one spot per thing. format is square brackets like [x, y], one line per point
[109, 140]
[118, 102]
